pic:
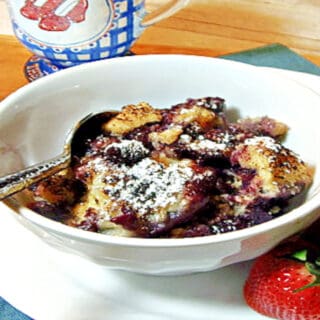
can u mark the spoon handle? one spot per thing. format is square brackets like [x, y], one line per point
[20, 180]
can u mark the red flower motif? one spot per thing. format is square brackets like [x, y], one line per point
[55, 15]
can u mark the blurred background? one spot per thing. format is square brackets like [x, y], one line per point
[214, 27]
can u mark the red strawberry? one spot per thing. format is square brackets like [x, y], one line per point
[285, 283]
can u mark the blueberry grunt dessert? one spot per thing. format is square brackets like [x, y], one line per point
[184, 171]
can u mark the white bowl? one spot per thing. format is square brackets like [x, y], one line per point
[35, 121]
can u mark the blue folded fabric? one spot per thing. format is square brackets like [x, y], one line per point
[275, 55]
[8, 312]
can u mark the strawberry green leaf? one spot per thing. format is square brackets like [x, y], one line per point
[314, 269]
[300, 255]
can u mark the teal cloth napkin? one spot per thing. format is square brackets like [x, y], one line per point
[276, 56]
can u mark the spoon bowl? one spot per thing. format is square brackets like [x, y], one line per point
[87, 127]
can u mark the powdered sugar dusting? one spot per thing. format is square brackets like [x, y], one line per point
[209, 145]
[148, 184]
[129, 148]
[265, 141]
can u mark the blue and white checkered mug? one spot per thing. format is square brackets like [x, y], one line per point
[64, 33]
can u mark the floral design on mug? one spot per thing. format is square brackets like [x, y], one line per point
[65, 33]
[55, 15]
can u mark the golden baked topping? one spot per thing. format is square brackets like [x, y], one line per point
[131, 117]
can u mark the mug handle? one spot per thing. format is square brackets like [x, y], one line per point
[163, 12]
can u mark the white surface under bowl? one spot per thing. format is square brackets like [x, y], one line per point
[35, 121]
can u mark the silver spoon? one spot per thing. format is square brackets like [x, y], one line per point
[89, 126]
